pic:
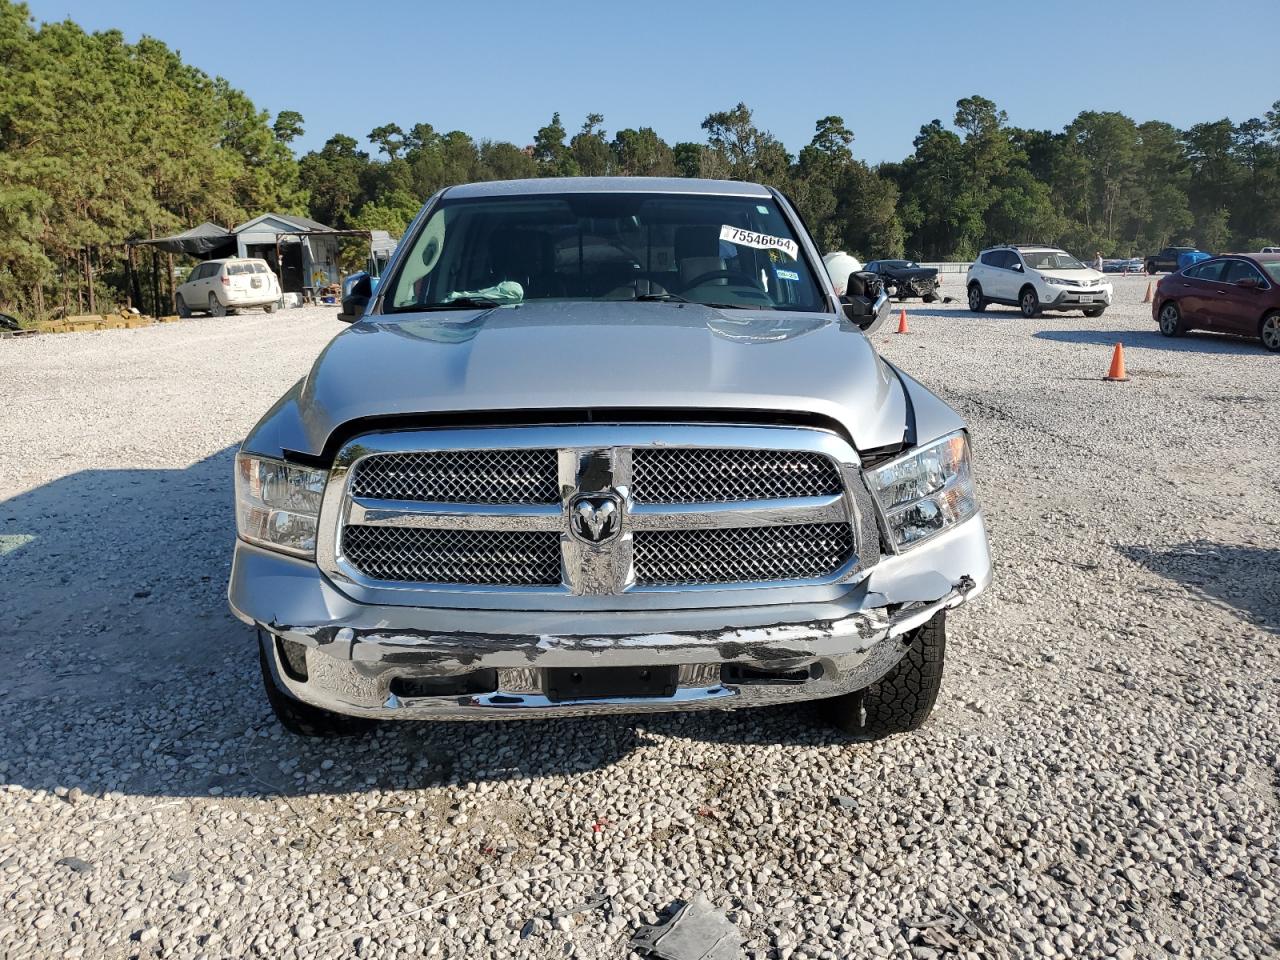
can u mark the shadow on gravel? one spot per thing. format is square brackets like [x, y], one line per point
[1242, 577]
[1153, 340]
[125, 671]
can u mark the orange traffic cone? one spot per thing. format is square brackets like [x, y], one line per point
[1150, 285]
[1116, 373]
[902, 321]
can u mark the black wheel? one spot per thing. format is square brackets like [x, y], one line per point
[1029, 302]
[1269, 331]
[902, 700]
[302, 718]
[977, 303]
[183, 310]
[1151, 269]
[216, 309]
[1171, 319]
[930, 298]
[1095, 311]
[269, 308]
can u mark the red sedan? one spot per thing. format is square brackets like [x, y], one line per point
[1238, 293]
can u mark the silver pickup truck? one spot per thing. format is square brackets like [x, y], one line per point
[605, 445]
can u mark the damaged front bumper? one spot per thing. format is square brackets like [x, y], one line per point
[323, 648]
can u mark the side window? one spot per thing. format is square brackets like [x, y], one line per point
[200, 272]
[1207, 271]
[992, 258]
[1237, 270]
[1010, 260]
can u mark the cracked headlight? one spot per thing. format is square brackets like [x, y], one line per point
[926, 491]
[278, 504]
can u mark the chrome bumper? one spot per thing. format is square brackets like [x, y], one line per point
[354, 652]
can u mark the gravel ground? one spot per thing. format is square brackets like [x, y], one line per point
[1100, 777]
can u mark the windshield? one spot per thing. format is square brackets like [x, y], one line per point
[901, 264]
[732, 252]
[1051, 260]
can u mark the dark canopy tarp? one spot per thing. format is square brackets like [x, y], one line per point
[201, 241]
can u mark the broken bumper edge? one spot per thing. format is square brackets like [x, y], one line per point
[361, 663]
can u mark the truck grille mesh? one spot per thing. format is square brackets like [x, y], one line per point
[405, 554]
[697, 475]
[742, 554]
[460, 476]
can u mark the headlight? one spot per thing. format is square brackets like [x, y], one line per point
[277, 504]
[926, 491]
[1059, 282]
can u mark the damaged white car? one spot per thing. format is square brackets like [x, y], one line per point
[605, 445]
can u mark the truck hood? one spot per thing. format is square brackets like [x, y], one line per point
[597, 355]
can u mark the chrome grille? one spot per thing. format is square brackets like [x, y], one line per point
[406, 554]
[460, 476]
[705, 475]
[743, 554]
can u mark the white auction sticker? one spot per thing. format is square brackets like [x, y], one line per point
[761, 241]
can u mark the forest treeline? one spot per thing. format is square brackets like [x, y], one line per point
[103, 140]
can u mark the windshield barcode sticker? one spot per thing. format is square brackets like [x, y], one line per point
[761, 241]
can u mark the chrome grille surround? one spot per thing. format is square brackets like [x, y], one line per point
[719, 475]
[635, 569]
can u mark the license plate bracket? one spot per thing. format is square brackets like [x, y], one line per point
[563, 684]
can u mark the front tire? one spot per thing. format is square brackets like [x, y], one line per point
[1269, 331]
[216, 309]
[977, 303]
[1095, 311]
[183, 310]
[930, 298]
[301, 718]
[269, 308]
[1029, 303]
[1171, 319]
[902, 700]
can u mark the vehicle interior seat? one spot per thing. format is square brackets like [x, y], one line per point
[528, 258]
[698, 252]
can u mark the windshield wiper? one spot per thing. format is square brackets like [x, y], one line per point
[659, 298]
[462, 303]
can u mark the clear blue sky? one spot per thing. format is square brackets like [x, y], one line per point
[499, 70]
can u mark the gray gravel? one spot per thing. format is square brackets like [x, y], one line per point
[1100, 778]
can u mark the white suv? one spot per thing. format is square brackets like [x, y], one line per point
[223, 286]
[1035, 279]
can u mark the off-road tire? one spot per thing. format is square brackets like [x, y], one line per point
[1269, 331]
[1095, 311]
[216, 309]
[1170, 319]
[902, 699]
[977, 302]
[302, 718]
[181, 305]
[1029, 302]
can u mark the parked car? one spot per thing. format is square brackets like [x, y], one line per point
[219, 287]
[1237, 294]
[1271, 250]
[670, 475]
[906, 278]
[1035, 278]
[1167, 259]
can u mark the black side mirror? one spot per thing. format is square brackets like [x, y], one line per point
[356, 300]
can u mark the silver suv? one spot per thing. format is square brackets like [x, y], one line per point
[605, 445]
[1036, 278]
